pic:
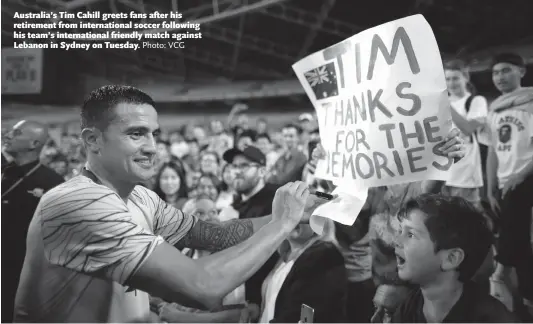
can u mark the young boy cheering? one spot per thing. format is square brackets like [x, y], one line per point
[441, 244]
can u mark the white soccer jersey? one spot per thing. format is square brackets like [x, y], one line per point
[84, 243]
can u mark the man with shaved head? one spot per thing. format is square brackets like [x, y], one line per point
[23, 183]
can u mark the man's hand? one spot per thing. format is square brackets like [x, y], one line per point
[318, 153]
[512, 183]
[312, 203]
[454, 146]
[289, 204]
[237, 108]
[250, 314]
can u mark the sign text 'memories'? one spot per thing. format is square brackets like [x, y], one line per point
[400, 36]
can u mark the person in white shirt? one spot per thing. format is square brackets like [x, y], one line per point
[468, 114]
[510, 174]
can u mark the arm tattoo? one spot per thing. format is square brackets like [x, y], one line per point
[214, 237]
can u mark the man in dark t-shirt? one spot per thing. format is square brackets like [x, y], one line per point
[442, 243]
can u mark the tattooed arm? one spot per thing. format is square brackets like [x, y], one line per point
[214, 237]
[169, 274]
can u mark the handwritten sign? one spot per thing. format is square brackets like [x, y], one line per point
[382, 105]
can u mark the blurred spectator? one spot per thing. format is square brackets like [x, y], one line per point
[307, 124]
[192, 159]
[220, 141]
[202, 207]
[216, 127]
[49, 151]
[201, 136]
[263, 143]
[75, 164]
[245, 139]
[192, 178]
[210, 163]
[238, 121]
[290, 165]
[163, 154]
[311, 272]
[261, 126]
[170, 185]
[178, 147]
[208, 185]
[23, 183]
[59, 164]
[227, 191]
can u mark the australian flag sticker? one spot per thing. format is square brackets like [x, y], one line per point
[323, 81]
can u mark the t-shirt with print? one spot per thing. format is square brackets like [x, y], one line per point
[467, 172]
[84, 243]
[511, 133]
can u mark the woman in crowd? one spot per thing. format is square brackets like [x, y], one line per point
[208, 185]
[310, 271]
[209, 163]
[170, 185]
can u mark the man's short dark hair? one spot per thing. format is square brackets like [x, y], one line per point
[263, 135]
[299, 130]
[453, 222]
[97, 108]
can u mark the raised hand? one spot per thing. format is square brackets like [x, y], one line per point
[318, 153]
[289, 204]
[454, 146]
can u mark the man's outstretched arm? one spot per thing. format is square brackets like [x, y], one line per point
[211, 236]
[169, 274]
[215, 237]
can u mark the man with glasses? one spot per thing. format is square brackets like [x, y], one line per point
[254, 200]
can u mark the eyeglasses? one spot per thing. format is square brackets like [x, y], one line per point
[244, 166]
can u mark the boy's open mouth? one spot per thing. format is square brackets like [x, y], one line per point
[400, 260]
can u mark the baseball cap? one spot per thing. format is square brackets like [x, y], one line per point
[305, 117]
[252, 153]
[510, 58]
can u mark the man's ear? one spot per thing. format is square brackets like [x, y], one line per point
[522, 72]
[262, 171]
[92, 138]
[35, 144]
[452, 259]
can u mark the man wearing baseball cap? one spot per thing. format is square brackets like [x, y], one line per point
[254, 200]
[510, 173]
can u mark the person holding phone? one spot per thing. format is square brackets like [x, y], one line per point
[309, 272]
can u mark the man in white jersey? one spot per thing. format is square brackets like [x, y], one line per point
[510, 171]
[98, 244]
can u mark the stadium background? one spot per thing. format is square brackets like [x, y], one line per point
[245, 55]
